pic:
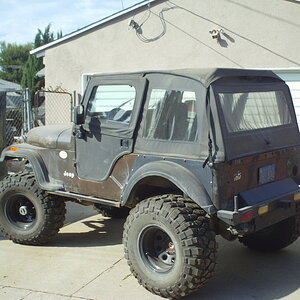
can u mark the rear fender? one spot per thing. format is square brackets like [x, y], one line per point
[181, 177]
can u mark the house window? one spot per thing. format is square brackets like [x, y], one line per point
[171, 115]
[112, 103]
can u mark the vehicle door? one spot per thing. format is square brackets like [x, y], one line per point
[111, 108]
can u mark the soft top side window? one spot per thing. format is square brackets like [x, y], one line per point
[112, 102]
[171, 115]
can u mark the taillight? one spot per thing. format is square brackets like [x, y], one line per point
[247, 216]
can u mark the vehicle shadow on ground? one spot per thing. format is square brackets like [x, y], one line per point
[103, 232]
[240, 273]
[245, 274]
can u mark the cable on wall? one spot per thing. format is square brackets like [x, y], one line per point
[138, 26]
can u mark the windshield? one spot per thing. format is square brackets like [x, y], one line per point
[254, 110]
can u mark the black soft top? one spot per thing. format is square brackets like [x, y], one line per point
[226, 146]
[208, 76]
[205, 75]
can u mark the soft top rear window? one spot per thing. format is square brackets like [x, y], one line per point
[246, 111]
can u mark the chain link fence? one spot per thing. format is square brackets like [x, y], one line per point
[48, 107]
[14, 119]
[53, 107]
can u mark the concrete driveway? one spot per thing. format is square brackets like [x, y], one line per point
[85, 261]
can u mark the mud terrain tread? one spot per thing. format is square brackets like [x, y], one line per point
[296, 232]
[54, 210]
[197, 239]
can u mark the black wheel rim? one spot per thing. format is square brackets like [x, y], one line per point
[157, 249]
[20, 212]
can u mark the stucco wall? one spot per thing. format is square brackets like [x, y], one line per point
[256, 34]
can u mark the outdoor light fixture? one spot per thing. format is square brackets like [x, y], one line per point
[133, 24]
[216, 33]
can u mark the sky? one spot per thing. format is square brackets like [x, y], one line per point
[20, 19]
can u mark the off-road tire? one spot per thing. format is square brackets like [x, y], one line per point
[44, 214]
[275, 237]
[112, 212]
[186, 230]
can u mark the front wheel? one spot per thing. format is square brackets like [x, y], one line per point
[169, 245]
[28, 215]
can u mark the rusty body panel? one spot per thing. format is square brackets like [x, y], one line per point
[232, 178]
[110, 188]
[65, 171]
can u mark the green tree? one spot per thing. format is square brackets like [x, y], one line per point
[29, 78]
[34, 64]
[12, 60]
[43, 38]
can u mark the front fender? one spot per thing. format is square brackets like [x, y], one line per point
[31, 154]
[180, 176]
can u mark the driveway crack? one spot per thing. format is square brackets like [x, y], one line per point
[106, 270]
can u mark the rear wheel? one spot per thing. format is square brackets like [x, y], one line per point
[169, 245]
[275, 237]
[27, 214]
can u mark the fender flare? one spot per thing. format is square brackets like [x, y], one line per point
[180, 176]
[39, 168]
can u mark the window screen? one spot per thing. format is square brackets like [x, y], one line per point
[171, 115]
[254, 110]
[112, 102]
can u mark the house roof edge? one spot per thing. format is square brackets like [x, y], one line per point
[40, 49]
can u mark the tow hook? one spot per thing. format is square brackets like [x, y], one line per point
[241, 229]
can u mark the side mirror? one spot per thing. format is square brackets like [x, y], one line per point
[78, 116]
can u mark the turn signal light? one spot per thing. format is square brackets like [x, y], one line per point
[14, 148]
[297, 197]
[247, 216]
[263, 209]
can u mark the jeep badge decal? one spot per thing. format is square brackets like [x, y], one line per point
[69, 174]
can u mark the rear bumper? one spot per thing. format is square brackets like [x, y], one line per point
[265, 205]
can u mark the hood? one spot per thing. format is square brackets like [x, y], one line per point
[51, 136]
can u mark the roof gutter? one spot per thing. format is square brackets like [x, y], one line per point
[40, 50]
